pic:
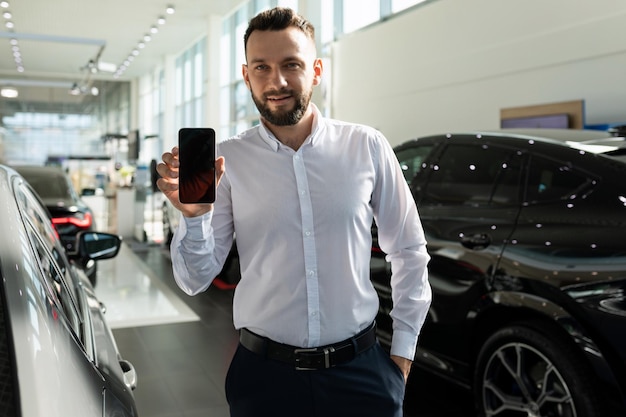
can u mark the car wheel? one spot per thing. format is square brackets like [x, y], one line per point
[168, 233]
[528, 370]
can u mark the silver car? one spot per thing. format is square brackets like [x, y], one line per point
[58, 356]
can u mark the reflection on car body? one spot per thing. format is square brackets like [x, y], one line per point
[528, 268]
[70, 214]
[58, 355]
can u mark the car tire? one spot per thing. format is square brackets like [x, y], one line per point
[517, 361]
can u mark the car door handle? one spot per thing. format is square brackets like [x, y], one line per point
[130, 375]
[476, 242]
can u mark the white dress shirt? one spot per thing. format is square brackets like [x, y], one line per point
[302, 221]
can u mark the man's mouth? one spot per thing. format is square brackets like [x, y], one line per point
[278, 98]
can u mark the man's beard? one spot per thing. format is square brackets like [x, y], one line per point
[286, 117]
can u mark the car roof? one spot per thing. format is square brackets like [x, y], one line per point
[588, 140]
[39, 169]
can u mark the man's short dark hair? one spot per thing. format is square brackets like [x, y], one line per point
[278, 18]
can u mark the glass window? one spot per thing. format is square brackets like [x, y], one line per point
[411, 160]
[359, 13]
[190, 88]
[51, 258]
[241, 23]
[550, 180]
[475, 175]
[199, 70]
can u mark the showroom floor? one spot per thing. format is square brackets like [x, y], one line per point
[181, 346]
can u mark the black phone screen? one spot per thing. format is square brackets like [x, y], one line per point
[196, 180]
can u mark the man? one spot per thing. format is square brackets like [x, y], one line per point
[300, 193]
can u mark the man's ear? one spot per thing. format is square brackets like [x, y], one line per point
[244, 73]
[318, 69]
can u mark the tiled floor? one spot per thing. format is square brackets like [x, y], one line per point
[181, 363]
[181, 346]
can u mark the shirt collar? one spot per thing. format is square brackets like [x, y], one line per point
[268, 137]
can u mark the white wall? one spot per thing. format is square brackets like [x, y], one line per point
[453, 64]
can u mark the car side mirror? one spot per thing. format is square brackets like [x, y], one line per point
[97, 245]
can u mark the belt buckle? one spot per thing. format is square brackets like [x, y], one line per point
[326, 351]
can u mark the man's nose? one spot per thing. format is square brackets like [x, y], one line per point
[278, 79]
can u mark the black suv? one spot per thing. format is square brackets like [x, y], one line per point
[527, 236]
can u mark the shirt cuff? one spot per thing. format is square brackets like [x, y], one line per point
[403, 344]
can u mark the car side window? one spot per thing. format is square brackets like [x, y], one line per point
[50, 256]
[550, 180]
[411, 160]
[475, 175]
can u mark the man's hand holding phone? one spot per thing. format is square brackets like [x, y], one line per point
[190, 173]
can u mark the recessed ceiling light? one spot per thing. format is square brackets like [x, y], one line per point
[9, 92]
[170, 9]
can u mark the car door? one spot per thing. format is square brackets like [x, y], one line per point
[570, 229]
[468, 197]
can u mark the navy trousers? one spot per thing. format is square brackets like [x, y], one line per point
[369, 385]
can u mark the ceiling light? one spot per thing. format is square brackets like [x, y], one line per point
[9, 24]
[143, 44]
[9, 92]
[7, 15]
[4, 4]
[106, 66]
[75, 90]
[91, 66]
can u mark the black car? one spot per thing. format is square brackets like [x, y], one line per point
[526, 233]
[70, 214]
[58, 355]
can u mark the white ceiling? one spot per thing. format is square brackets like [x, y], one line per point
[58, 38]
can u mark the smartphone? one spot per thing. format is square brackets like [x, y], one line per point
[196, 174]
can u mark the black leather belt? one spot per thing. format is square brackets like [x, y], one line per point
[309, 358]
